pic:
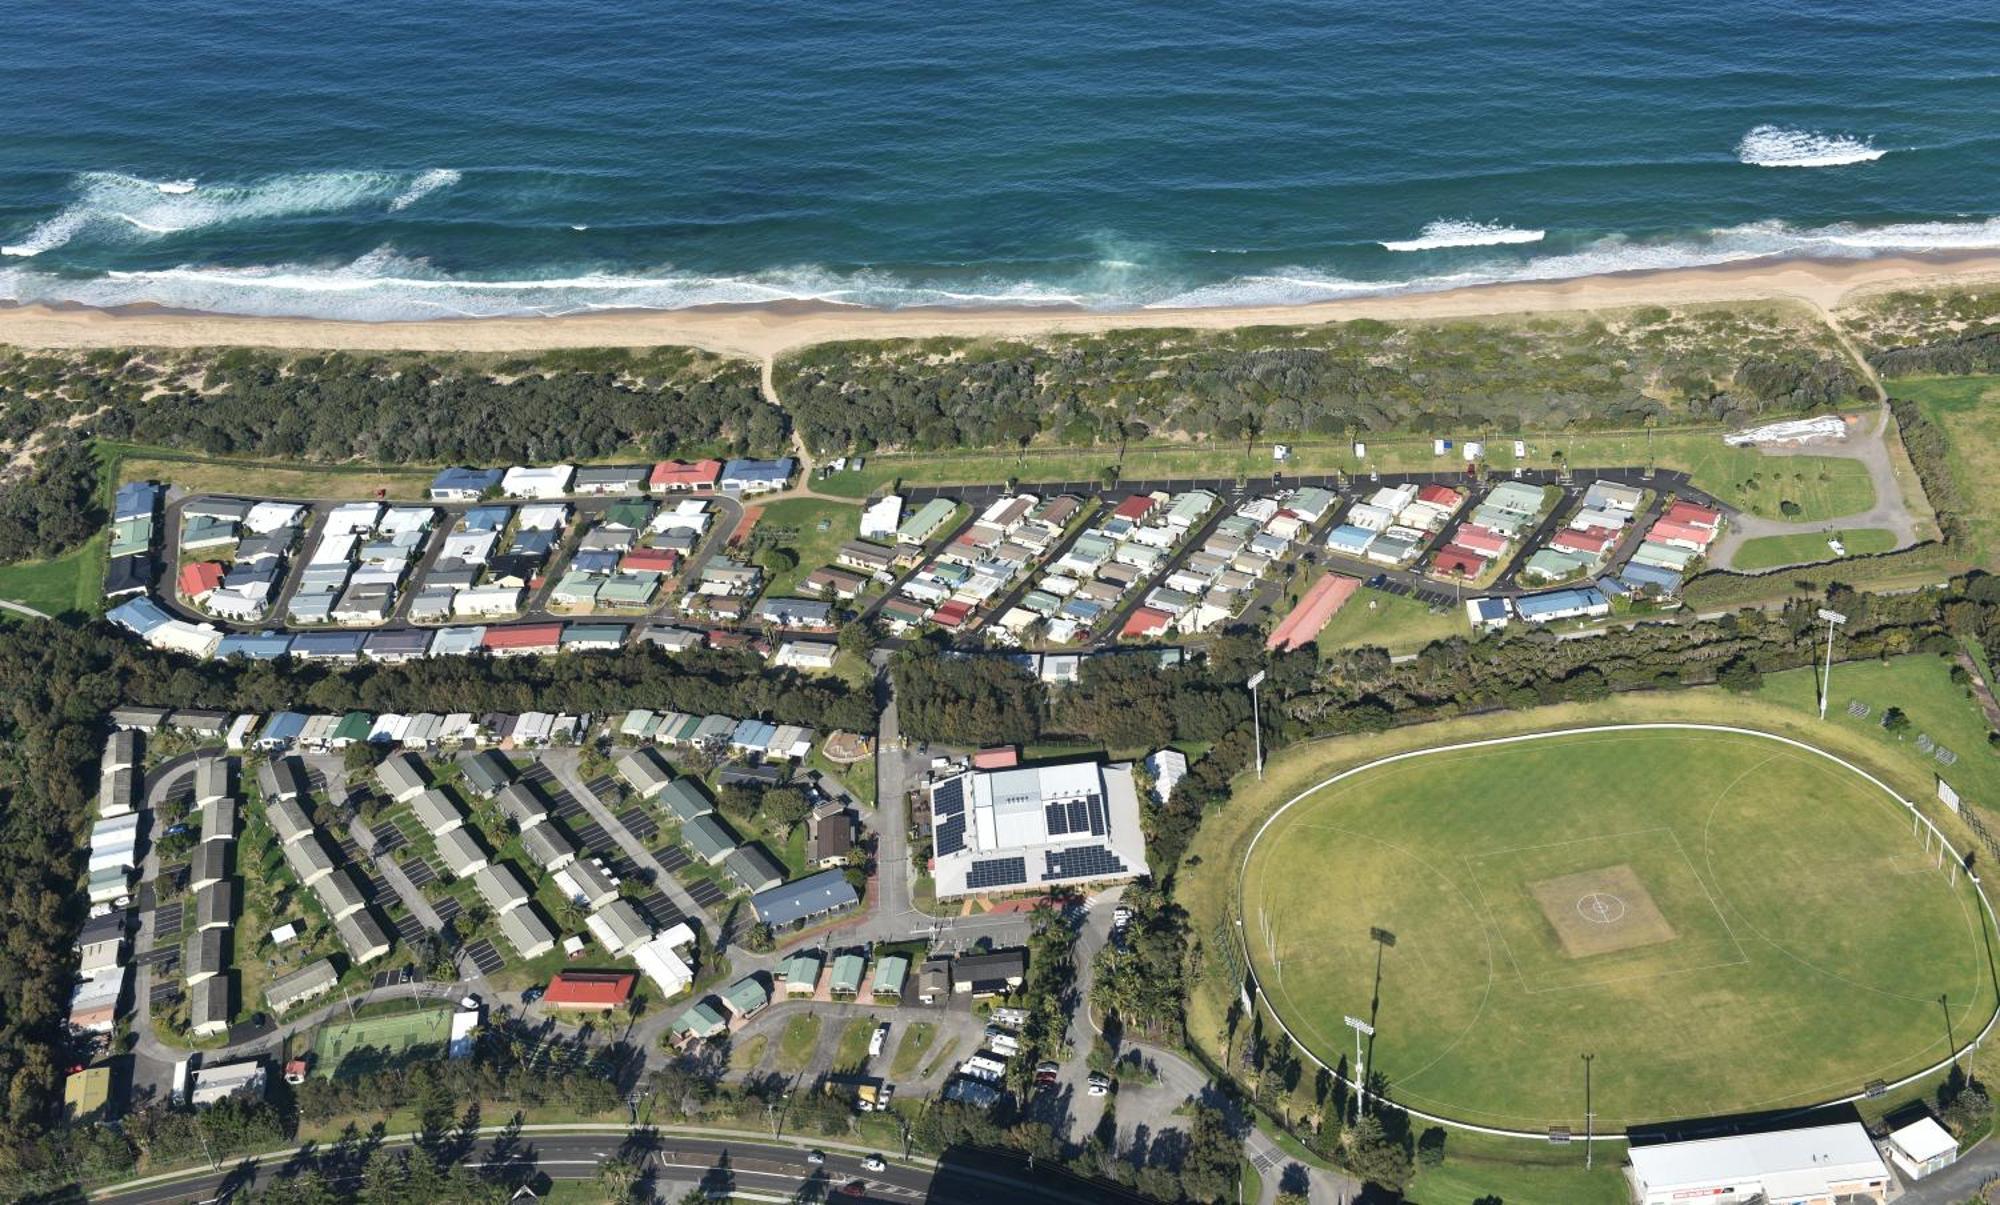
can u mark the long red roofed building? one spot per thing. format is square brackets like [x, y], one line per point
[590, 989]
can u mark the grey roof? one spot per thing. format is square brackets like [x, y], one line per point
[593, 880]
[685, 799]
[209, 863]
[501, 887]
[288, 819]
[989, 968]
[308, 858]
[283, 778]
[218, 820]
[753, 869]
[402, 776]
[118, 790]
[461, 851]
[526, 931]
[362, 935]
[814, 895]
[518, 801]
[709, 837]
[215, 905]
[547, 846]
[339, 894]
[208, 1003]
[487, 771]
[211, 779]
[627, 924]
[121, 748]
[646, 770]
[207, 954]
[309, 980]
[436, 812]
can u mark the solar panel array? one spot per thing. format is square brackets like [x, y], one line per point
[1083, 861]
[996, 872]
[948, 815]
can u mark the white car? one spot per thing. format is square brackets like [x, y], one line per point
[815, 1157]
[873, 1163]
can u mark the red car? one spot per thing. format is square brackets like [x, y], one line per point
[854, 1188]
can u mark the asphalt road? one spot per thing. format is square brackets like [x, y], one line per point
[677, 1162]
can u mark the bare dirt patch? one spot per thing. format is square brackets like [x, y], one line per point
[1601, 911]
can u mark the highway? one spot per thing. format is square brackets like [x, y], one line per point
[673, 1163]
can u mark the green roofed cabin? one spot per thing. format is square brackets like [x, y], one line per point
[801, 972]
[709, 838]
[747, 996]
[847, 969]
[701, 1020]
[684, 798]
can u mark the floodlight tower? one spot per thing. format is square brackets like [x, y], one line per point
[1257, 720]
[1589, 1130]
[1833, 620]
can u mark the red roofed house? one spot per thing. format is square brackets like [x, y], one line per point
[1690, 515]
[952, 614]
[1452, 559]
[1135, 508]
[1000, 757]
[650, 560]
[515, 639]
[1680, 535]
[200, 578]
[1146, 622]
[1440, 495]
[590, 989]
[673, 475]
[1592, 540]
[1478, 539]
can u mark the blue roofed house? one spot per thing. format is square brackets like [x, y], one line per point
[140, 616]
[804, 899]
[756, 476]
[457, 484]
[1561, 604]
[264, 646]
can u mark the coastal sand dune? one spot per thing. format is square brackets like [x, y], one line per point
[763, 331]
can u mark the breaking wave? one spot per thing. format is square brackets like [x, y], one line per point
[112, 205]
[1781, 146]
[1442, 233]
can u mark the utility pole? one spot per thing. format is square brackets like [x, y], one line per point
[1257, 720]
[1589, 1130]
[1833, 620]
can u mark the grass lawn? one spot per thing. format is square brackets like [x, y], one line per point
[1769, 552]
[746, 1056]
[1463, 1182]
[852, 1052]
[1822, 487]
[812, 528]
[1921, 685]
[1965, 408]
[795, 1045]
[1731, 924]
[73, 581]
[276, 479]
[1391, 621]
[916, 1039]
[858, 778]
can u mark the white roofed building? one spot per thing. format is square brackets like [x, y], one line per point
[1815, 1166]
[1032, 827]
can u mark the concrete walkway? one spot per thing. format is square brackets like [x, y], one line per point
[23, 609]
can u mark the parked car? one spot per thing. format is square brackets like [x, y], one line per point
[815, 1157]
[873, 1163]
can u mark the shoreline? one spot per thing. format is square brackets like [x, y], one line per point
[766, 331]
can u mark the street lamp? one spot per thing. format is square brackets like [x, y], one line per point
[1833, 620]
[1257, 720]
[1361, 1028]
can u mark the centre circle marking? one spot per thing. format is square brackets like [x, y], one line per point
[1601, 908]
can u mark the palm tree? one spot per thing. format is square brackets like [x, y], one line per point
[618, 1177]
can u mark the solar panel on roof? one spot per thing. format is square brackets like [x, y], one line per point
[996, 872]
[1079, 816]
[951, 835]
[1098, 826]
[1082, 862]
[949, 797]
[1058, 820]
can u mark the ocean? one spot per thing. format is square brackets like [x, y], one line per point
[383, 161]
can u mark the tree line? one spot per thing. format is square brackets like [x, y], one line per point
[335, 408]
[1620, 370]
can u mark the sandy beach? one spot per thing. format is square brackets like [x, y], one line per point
[767, 331]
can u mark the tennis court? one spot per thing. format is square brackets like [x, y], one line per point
[382, 1038]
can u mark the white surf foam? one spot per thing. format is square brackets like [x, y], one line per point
[1445, 233]
[424, 185]
[117, 206]
[384, 286]
[1782, 146]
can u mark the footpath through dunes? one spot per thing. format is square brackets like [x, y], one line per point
[1729, 921]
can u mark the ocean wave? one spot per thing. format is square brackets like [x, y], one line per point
[387, 286]
[1781, 146]
[1445, 233]
[117, 206]
[423, 186]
